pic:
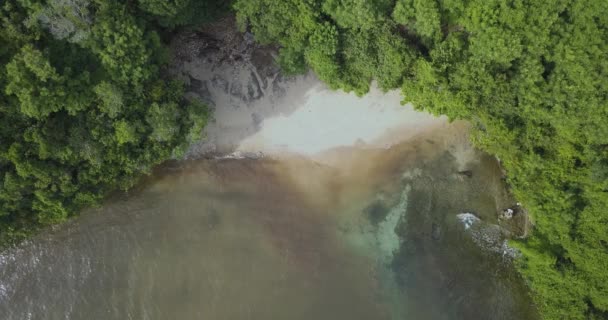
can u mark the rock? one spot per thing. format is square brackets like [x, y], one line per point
[255, 87]
[220, 83]
[235, 89]
[468, 219]
[257, 120]
[507, 214]
[376, 212]
[253, 91]
[435, 231]
[466, 173]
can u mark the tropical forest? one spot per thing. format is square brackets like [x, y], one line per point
[108, 110]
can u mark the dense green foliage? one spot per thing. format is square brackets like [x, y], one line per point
[532, 76]
[84, 108]
[171, 13]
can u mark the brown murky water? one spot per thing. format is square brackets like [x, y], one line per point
[363, 234]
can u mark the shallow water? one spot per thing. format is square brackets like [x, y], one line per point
[364, 234]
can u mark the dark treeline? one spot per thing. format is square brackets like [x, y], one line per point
[531, 76]
[84, 106]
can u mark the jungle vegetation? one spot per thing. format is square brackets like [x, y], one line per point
[85, 107]
[532, 78]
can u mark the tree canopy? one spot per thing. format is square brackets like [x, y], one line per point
[84, 107]
[531, 76]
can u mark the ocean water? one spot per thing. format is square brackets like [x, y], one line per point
[369, 233]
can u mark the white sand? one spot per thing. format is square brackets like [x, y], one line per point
[257, 110]
[328, 119]
[274, 115]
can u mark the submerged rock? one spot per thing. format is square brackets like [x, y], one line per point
[436, 231]
[507, 214]
[468, 219]
[487, 236]
[376, 212]
[466, 173]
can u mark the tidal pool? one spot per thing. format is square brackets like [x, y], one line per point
[367, 233]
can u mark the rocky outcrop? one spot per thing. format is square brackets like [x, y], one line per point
[232, 74]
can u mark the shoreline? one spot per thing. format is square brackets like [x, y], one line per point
[258, 113]
[256, 109]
